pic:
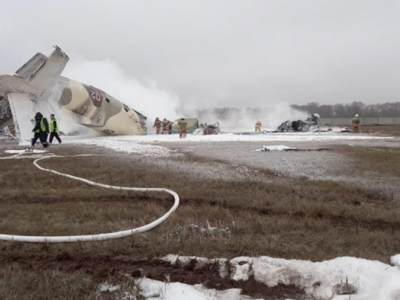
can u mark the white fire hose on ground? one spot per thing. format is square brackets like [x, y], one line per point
[90, 237]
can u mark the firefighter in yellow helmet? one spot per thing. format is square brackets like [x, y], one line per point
[356, 124]
[41, 130]
[54, 130]
[258, 126]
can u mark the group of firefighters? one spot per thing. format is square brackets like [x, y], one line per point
[166, 127]
[43, 128]
[355, 121]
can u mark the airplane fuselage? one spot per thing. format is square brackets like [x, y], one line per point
[37, 85]
[99, 111]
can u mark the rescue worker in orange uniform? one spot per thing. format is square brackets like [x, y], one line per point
[157, 125]
[182, 128]
[258, 126]
[165, 124]
[356, 124]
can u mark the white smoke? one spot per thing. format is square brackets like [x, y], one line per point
[244, 119]
[153, 102]
[146, 98]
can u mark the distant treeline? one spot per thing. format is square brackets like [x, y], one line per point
[389, 109]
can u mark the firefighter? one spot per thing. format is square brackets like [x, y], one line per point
[157, 125]
[165, 124]
[54, 130]
[356, 124]
[41, 130]
[258, 126]
[182, 128]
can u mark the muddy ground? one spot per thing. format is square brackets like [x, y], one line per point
[312, 205]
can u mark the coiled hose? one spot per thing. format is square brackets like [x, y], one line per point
[90, 237]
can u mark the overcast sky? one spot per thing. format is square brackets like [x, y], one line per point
[222, 53]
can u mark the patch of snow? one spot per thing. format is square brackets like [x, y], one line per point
[211, 231]
[275, 148]
[138, 144]
[23, 151]
[395, 260]
[174, 259]
[371, 279]
[107, 287]
[129, 146]
[228, 137]
[156, 290]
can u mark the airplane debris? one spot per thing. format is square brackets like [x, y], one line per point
[205, 129]
[311, 124]
[286, 148]
[192, 125]
[39, 86]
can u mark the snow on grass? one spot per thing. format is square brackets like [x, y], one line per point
[136, 144]
[395, 260]
[24, 151]
[373, 280]
[157, 290]
[275, 148]
[128, 146]
[230, 137]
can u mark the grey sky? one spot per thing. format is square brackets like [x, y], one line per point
[215, 53]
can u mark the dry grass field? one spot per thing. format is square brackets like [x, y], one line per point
[275, 215]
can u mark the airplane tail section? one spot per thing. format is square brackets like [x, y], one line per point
[31, 67]
[43, 72]
[23, 110]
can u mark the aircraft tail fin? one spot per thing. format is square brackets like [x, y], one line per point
[31, 67]
[43, 71]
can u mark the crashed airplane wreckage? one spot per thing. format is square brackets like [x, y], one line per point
[38, 86]
[207, 129]
[311, 124]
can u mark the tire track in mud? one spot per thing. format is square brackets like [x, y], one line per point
[335, 220]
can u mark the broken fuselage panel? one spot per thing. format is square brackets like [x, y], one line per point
[99, 111]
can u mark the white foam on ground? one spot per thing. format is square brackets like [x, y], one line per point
[128, 146]
[275, 148]
[135, 144]
[230, 137]
[23, 151]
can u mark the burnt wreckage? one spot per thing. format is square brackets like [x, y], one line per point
[311, 124]
[207, 129]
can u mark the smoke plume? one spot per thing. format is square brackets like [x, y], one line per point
[146, 98]
[153, 102]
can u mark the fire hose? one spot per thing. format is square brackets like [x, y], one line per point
[90, 237]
